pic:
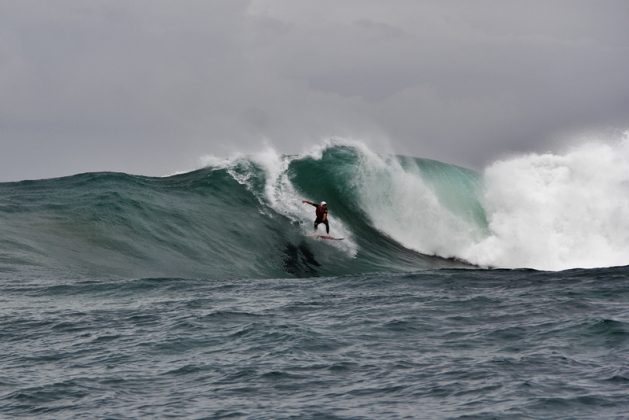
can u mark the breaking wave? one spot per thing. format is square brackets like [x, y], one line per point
[243, 217]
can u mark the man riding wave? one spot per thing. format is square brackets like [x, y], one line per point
[321, 212]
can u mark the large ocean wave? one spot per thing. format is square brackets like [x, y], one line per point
[243, 217]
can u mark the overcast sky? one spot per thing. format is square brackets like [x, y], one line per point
[150, 86]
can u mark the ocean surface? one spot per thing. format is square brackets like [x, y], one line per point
[454, 293]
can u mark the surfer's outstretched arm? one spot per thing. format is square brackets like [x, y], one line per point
[309, 202]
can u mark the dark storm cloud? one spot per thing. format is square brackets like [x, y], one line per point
[149, 86]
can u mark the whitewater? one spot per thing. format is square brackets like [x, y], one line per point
[456, 293]
[543, 211]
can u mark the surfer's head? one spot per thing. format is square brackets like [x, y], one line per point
[324, 204]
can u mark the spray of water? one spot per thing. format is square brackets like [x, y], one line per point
[544, 211]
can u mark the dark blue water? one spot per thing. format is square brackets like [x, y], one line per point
[430, 344]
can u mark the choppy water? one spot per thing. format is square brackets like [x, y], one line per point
[203, 295]
[442, 343]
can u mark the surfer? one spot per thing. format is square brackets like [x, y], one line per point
[321, 213]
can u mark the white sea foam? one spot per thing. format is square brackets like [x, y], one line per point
[544, 211]
[400, 204]
[558, 211]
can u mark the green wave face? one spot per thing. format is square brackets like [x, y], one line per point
[242, 220]
[396, 204]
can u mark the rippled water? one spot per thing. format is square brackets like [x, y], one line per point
[440, 343]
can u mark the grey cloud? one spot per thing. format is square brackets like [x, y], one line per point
[149, 86]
